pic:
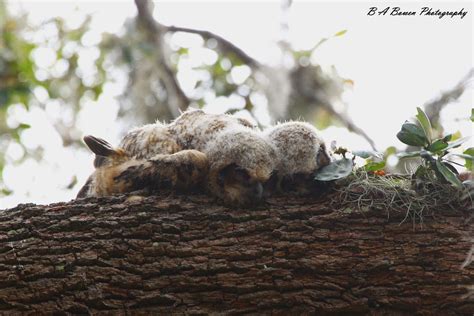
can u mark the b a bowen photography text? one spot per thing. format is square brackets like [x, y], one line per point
[424, 11]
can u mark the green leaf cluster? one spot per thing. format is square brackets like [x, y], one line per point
[433, 152]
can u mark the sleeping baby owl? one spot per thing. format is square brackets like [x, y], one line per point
[301, 152]
[224, 154]
[227, 156]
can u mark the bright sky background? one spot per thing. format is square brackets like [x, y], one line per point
[396, 62]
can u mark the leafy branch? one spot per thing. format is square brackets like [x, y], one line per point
[433, 152]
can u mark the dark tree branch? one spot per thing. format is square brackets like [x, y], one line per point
[351, 126]
[224, 45]
[145, 8]
[305, 85]
[156, 32]
[434, 107]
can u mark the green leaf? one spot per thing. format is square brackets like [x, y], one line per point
[411, 134]
[340, 33]
[23, 126]
[448, 137]
[183, 51]
[438, 145]
[336, 170]
[5, 191]
[469, 163]
[448, 174]
[468, 156]
[413, 129]
[457, 143]
[451, 167]
[472, 115]
[425, 123]
[363, 153]
[455, 136]
[374, 166]
[392, 150]
[409, 154]
[367, 154]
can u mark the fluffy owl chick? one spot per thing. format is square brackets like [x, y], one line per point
[148, 141]
[196, 128]
[301, 152]
[240, 163]
[240, 159]
[118, 172]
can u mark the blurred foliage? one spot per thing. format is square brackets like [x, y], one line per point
[135, 53]
[39, 65]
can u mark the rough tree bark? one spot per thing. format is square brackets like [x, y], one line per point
[186, 254]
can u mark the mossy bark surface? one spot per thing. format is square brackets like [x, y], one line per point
[171, 254]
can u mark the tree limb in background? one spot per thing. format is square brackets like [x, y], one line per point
[351, 126]
[434, 107]
[224, 45]
[310, 91]
[284, 42]
[177, 100]
[280, 91]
